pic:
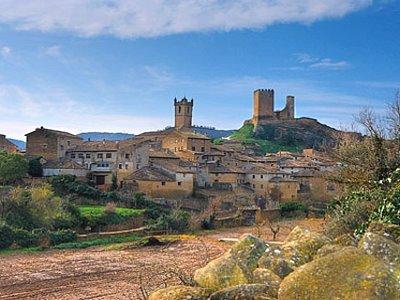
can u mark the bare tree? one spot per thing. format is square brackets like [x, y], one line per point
[393, 118]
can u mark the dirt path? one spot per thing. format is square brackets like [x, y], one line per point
[100, 273]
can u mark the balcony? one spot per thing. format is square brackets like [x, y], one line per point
[100, 167]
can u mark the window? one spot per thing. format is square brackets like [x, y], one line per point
[254, 176]
[262, 186]
[61, 147]
[203, 149]
[261, 176]
[80, 155]
[179, 183]
[126, 166]
[120, 166]
[73, 155]
[193, 148]
[137, 166]
[108, 155]
[100, 155]
[68, 143]
[127, 155]
[254, 186]
[163, 183]
[44, 146]
[87, 155]
[179, 109]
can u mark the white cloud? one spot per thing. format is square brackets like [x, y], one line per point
[5, 51]
[329, 64]
[150, 18]
[53, 51]
[314, 62]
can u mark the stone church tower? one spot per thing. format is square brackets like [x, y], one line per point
[183, 114]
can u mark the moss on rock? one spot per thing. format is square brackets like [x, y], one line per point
[181, 292]
[380, 247]
[347, 274]
[244, 292]
[234, 267]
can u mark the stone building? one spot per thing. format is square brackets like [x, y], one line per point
[264, 105]
[183, 114]
[64, 167]
[50, 144]
[6, 145]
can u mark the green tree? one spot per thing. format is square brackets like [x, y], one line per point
[35, 168]
[12, 167]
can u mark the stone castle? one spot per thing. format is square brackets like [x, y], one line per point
[264, 106]
[183, 114]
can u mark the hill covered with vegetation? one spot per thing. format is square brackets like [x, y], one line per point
[287, 135]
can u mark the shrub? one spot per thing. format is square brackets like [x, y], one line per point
[25, 239]
[35, 168]
[62, 236]
[110, 208]
[177, 221]
[291, 207]
[6, 236]
[153, 210]
[12, 167]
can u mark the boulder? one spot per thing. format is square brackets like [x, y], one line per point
[244, 292]
[328, 249]
[347, 274]
[380, 247]
[301, 246]
[389, 231]
[345, 240]
[234, 267]
[277, 264]
[181, 292]
[268, 277]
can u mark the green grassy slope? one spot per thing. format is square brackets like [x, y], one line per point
[245, 134]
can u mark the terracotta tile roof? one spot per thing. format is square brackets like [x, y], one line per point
[95, 146]
[151, 173]
[7, 145]
[280, 179]
[262, 169]
[219, 168]
[180, 166]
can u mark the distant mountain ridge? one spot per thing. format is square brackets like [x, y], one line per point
[20, 144]
[212, 132]
[108, 136]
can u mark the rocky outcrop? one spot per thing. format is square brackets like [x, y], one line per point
[234, 267]
[306, 266]
[347, 274]
[181, 292]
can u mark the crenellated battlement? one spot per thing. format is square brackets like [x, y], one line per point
[183, 113]
[264, 107]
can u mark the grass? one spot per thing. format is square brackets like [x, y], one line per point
[98, 242]
[95, 242]
[95, 211]
[246, 136]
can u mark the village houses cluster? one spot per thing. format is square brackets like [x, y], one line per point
[176, 162]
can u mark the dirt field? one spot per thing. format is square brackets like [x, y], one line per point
[118, 272]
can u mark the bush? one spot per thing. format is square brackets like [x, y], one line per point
[25, 239]
[6, 236]
[153, 210]
[35, 168]
[177, 221]
[289, 208]
[12, 167]
[69, 218]
[62, 236]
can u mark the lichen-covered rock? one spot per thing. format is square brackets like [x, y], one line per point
[347, 274]
[181, 293]
[345, 240]
[380, 247]
[234, 267]
[244, 292]
[301, 246]
[389, 231]
[268, 277]
[277, 264]
[328, 249]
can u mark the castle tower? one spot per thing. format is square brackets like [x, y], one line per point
[290, 107]
[263, 106]
[183, 114]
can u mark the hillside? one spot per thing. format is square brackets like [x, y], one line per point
[213, 133]
[288, 135]
[108, 136]
[20, 144]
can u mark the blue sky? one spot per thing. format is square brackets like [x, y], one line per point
[109, 65]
